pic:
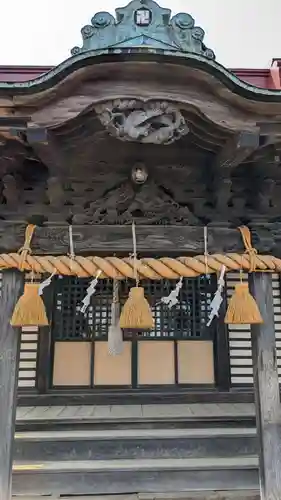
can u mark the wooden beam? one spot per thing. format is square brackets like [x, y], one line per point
[36, 135]
[266, 387]
[237, 149]
[11, 127]
[54, 239]
[12, 286]
[14, 121]
[15, 128]
[270, 128]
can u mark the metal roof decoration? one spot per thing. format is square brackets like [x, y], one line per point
[143, 32]
[143, 23]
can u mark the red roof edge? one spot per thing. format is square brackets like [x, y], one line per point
[25, 69]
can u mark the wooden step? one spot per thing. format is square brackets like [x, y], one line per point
[135, 416]
[188, 495]
[129, 476]
[134, 443]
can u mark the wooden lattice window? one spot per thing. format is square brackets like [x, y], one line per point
[185, 320]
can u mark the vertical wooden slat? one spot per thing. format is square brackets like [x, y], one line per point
[28, 359]
[241, 367]
[12, 286]
[266, 387]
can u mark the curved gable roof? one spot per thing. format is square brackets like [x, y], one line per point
[143, 31]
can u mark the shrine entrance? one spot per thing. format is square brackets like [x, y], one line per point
[141, 142]
[179, 351]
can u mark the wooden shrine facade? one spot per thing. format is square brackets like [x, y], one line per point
[140, 124]
[95, 152]
[201, 363]
[178, 353]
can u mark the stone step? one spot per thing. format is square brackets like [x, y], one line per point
[130, 476]
[134, 444]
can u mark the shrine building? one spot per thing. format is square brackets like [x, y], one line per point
[140, 167]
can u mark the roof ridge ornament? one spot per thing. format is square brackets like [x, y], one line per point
[143, 23]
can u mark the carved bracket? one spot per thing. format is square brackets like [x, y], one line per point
[238, 149]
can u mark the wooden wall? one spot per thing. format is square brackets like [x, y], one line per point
[159, 362]
[241, 366]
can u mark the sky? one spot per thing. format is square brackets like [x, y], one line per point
[242, 33]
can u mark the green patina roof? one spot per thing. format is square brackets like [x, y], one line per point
[143, 31]
[144, 23]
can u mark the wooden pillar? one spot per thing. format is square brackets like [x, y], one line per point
[221, 341]
[266, 387]
[12, 286]
[44, 365]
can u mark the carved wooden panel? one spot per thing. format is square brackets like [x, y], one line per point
[191, 191]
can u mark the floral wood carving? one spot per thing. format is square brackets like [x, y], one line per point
[153, 122]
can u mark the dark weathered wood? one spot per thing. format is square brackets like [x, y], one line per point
[35, 135]
[161, 239]
[12, 126]
[12, 285]
[14, 121]
[266, 385]
[270, 128]
[44, 361]
[176, 192]
[172, 443]
[136, 396]
[237, 149]
[113, 482]
[221, 346]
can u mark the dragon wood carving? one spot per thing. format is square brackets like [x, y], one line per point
[151, 122]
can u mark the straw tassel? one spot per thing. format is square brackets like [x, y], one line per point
[30, 309]
[136, 313]
[242, 308]
[115, 334]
